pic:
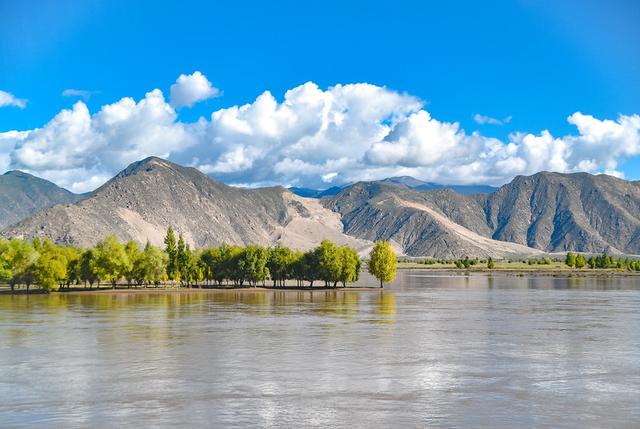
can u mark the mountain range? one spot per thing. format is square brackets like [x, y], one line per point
[407, 182]
[22, 195]
[531, 215]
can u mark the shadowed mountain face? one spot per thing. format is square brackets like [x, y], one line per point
[547, 211]
[559, 212]
[150, 195]
[22, 195]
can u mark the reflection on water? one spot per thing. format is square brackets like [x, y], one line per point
[435, 350]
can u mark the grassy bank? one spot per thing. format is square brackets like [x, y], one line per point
[518, 267]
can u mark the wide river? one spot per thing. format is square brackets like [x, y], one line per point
[431, 350]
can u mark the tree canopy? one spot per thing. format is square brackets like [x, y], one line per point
[382, 262]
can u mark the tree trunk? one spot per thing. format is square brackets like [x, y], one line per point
[381, 286]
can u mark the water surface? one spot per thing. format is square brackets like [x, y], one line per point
[432, 350]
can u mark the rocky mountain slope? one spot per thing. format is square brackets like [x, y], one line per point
[148, 196]
[550, 212]
[22, 195]
[438, 223]
[546, 212]
[559, 212]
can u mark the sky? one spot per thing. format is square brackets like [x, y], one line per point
[318, 94]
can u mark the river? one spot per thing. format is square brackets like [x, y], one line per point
[432, 350]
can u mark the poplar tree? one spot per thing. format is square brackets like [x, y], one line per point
[382, 262]
[172, 253]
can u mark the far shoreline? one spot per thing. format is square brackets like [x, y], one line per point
[123, 289]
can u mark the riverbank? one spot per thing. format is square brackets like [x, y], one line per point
[519, 269]
[121, 289]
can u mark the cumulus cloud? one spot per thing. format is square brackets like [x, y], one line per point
[77, 149]
[8, 99]
[482, 120]
[190, 89]
[82, 93]
[308, 137]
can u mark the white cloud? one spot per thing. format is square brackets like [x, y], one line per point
[329, 177]
[75, 146]
[310, 137]
[8, 99]
[190, 89]
[482, 120]
[82, 93]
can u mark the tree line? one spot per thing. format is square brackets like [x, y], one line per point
[577, 260]
[52, 266]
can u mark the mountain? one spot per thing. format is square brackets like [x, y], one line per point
[560, 212]
[406, 182]
[545, 212]
[417, 184]
[22, 195]
[548, 212]
[315, 193]
[439, 223]
[148, 196]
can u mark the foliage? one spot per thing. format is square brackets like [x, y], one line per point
[53, 266]
[490, 264]
[382, 262]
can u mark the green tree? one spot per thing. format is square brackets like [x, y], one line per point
[570, 260]
[490, 263]
[72, 258]
[88, 272]
[18, 256]
[280, 264]
[172, 253]
[50, 270]
[229, 259]
[253, 264]
[111, 260]
[152, 265]
[382, 262]
[135, 269]
[351, 265]
[210, 263]
[580, 261]
[329, 262]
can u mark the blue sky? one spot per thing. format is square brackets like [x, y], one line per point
[535, 62]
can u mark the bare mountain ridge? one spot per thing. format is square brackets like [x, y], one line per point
[548, 212]
[22, 195]
[551, 212]
[145, 198]
[559, 212]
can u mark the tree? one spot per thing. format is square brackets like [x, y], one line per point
[570, 260]
[382, 262]
[229, 258]
[280, 264]
[111, 261]
[18, 256]
[351, 265]
[490, 263]
[72, 258]
[87, 267]
[154, 263]
[50, 270]
[210, 263]
[253, 264]
[580, 261]
[185, 262]
[329, 262]
[134, 268]
[172, 253]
